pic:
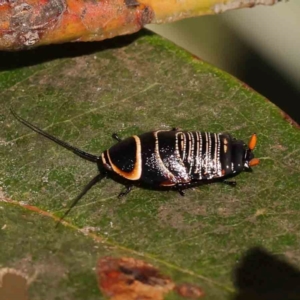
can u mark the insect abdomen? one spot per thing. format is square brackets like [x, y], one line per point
[200, 152]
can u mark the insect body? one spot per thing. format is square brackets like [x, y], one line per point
[170, 159]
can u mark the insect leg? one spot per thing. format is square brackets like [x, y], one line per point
[128, 189]
[116, 137]
[176, 129]
[179, 190]
[96, 179]
[230, 183]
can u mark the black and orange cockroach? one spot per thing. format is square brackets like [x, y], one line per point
[166, 159]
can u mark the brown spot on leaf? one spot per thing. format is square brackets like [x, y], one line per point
[131, 279]
[189, 291]
[172, 214]
[13, 284]
[127, 278]
[279, 147]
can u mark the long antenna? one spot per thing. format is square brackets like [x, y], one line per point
[96, 179]
[82, 154]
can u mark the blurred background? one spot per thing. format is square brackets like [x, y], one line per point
[260, 46]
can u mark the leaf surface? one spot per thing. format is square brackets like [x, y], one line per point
[129, 86]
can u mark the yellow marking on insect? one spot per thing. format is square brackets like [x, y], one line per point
[167, 183]
[105, 164]
[225, 147]
[136, 173]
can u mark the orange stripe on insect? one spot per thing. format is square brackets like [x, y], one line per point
[167, 183]
[105, 164]
[225, 143]
[136, 173]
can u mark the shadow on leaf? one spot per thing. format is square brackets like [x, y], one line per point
[264, 276]
[13, 60]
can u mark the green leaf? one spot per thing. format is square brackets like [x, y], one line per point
[130, 86]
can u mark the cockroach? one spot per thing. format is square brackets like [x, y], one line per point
[166, 159]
